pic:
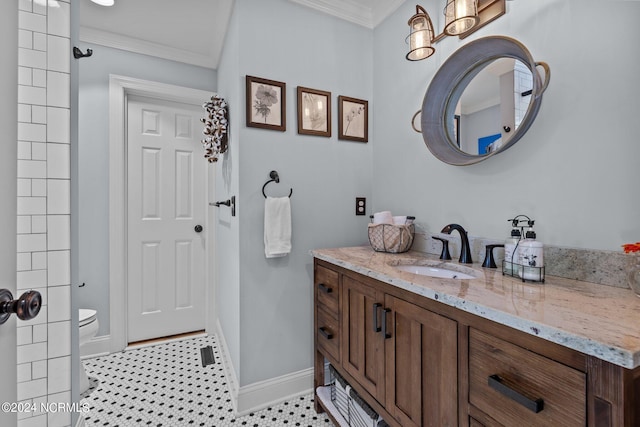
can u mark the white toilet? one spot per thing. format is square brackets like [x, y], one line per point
[88, 321]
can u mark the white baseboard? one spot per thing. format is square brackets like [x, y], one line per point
[97, 346]
[256, 396]
[259, 395]
[227, 365]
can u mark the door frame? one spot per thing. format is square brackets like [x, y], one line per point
[120, 87]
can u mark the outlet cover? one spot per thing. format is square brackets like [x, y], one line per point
[361, 206]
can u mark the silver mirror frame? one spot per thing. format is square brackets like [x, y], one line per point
[449, 83]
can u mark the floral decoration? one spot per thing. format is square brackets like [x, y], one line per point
[216, 125]
[631, 247]
[355, 111]
[266, 96]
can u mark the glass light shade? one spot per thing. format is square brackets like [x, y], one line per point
[104, 2]
[420, 36]
[460, 16]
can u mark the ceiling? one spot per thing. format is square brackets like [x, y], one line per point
[193, 31]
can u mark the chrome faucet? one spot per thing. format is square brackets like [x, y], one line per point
[465, 250]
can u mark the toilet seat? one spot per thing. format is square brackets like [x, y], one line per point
[86, 316]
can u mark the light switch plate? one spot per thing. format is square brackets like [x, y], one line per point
[361, 206]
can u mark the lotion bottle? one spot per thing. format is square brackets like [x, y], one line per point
[531, 257]
[510, 256]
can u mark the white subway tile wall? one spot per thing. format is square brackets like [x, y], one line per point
[43, 244]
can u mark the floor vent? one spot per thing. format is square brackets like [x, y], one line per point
[207, 356]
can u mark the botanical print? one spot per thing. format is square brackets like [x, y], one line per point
[314, 112]
[266, 104]
[353, 119]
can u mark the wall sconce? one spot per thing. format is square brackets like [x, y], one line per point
[420, 36]
[462, 17]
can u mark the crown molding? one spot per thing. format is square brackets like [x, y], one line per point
[383, 9]
[118, 41]
[354, 11]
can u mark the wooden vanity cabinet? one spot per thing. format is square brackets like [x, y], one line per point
[419, 362]
[420, 366]
[400, 357]
[327, 312]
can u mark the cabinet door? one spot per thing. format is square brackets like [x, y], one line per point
[421, 366]
[362, 340]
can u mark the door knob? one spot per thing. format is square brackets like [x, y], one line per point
[198, 228]
[26, 307]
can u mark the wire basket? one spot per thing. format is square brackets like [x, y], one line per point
[339, 392]
[390, 238]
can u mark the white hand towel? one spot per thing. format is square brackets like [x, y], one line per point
[277, 226]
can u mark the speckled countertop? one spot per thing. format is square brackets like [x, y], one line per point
[597, 320]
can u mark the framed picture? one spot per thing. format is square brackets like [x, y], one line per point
[266, 104]
[314, 112]
[353, 119]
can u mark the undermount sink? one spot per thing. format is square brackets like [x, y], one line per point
[426, 270]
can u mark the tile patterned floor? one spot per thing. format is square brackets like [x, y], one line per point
[165, 385]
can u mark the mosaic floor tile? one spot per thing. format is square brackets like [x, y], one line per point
[165, 385]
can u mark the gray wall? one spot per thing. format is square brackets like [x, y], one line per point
[92, 219]
[227, 243]
[575, 171]
[300, 47]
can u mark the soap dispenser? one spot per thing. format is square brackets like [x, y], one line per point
[510, 246]
[531, 256]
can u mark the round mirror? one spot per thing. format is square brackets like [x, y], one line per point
[482, 100]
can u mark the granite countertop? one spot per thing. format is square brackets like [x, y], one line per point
[598, 320]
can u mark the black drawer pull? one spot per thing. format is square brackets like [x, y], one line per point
[376, 325]
[535, 405]
[324, 288]
[384, 323]
[323, 331]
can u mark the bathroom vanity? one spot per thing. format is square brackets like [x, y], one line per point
[488, 351]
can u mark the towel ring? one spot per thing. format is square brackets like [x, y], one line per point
[274, 177]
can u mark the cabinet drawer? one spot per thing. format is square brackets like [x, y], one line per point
[326, 282]
[510, 383]
[328, 334]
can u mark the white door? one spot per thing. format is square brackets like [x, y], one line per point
[8, 184]
[166, 197]
[8, 373]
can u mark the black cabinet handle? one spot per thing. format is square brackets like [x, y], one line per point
[384, 323]
[376, 325]
[325, 333]
[324, 288]
[535, 405]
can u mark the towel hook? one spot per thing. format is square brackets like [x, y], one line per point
[274, 177]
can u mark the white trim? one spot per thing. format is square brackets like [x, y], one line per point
[96, 346]
[355, 11]
[80, 422]
[256, 396]
[227, 366]
[130, 44]
[259, 395]
[120, 87]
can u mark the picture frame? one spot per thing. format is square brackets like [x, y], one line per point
[314, 112]
[266, 104]
[353, 119]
